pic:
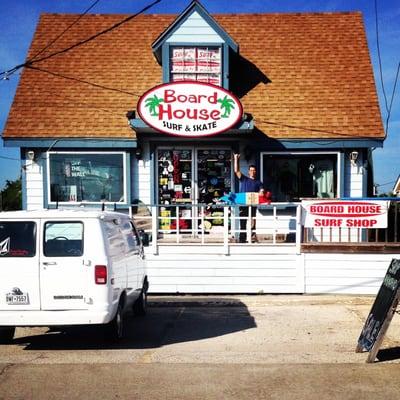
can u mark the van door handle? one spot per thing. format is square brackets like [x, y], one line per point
[49, 263]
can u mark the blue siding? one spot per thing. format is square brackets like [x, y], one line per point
[72, 143]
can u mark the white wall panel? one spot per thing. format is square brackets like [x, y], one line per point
[141, 182]
[208, 272]
[267, 271]
[33, 183]
[355, 177]
[195, 30]
[345, 273]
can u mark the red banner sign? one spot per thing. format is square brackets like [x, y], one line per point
[345, 214]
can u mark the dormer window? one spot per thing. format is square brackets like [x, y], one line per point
[201, 64]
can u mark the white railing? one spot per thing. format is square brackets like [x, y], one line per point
[220, 225]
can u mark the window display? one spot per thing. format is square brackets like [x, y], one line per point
[214, 174]
[202, 64]
[92, 177]
[291, 177]
[174, 176]
[175, 187]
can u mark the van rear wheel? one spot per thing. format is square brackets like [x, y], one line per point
[140, 305]
[115, 328]
[7, 334]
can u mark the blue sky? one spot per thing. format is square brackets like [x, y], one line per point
[18, 21]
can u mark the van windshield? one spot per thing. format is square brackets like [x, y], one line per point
[17, 239]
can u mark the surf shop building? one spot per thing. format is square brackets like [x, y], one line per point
[146, 118]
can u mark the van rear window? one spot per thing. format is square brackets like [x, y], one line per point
[17, 239]
[63, 239]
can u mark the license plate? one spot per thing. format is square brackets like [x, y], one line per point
[17, 299]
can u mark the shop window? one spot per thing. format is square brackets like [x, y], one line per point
[201, 64]
[91, 177]
[291, 177]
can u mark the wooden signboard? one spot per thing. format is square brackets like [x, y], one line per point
[381, 312]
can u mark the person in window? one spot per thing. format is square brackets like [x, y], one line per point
[247, 184]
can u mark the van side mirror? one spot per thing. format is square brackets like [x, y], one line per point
[144, 237]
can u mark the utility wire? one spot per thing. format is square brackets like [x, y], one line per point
[379, 55]
[385, 184]
[391, 100]
[10, 158]
[72, 103]
[63, 32]
[71, 78]
[82, 42]
[98, 86]
[301, 127]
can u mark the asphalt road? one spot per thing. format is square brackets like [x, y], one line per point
[230, 347]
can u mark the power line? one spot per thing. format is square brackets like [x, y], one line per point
[385, 184]
[379, 56]
[73, 103]
[391, 100]
[302, 128]
[10, 158]
[96, 85]
[63, 32]
[82, 42]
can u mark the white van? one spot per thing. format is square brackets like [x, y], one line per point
[69, 267]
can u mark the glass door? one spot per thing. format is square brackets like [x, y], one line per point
[214, 174]
[188, 176]
[175, 188]
[214, 179]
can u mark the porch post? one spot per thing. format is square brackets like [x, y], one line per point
[226, 230]
[298, 229]
[154, 229]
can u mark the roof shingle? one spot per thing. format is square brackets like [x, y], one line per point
[299, 75]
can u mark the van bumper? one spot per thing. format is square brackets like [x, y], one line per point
[54, 318]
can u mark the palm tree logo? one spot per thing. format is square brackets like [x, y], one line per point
[153, 103]
[227, 105]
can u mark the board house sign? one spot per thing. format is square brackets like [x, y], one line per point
[189, 109]
[345, 214]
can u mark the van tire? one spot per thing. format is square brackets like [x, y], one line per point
[115, 328]
[7, 334]
[140, 305]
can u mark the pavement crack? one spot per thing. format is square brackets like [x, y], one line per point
[358, 313]
[4, 369]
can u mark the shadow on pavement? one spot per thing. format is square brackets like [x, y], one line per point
[165, 323]
[389, 354]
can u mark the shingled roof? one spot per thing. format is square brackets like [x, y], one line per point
[299, 75]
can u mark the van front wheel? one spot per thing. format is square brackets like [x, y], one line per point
[6, 334]
[115, 328]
